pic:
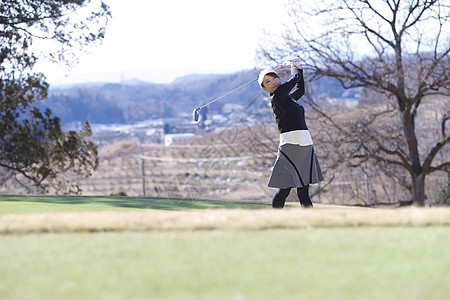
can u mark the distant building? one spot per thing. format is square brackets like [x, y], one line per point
[170, 138]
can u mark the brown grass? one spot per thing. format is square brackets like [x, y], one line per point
[226, 219]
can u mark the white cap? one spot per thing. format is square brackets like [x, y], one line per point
[264, 73]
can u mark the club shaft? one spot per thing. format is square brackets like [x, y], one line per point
[230, 92]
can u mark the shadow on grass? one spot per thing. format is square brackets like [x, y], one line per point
[137, 202]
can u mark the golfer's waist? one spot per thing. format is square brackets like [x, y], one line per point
[296, 137]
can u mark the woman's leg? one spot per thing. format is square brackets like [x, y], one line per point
[280, 198]
[303, 196]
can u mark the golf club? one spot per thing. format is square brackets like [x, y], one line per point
[195, 112]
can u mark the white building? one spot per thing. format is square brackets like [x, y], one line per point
[170, 138]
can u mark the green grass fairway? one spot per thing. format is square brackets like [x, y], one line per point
[57, 247]
[340, 263]
[57, 204]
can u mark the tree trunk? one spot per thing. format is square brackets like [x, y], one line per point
[415, 168]
[418, 194]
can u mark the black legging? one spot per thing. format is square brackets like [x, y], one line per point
[280, 197]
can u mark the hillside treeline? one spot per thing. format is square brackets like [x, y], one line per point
[134, 101]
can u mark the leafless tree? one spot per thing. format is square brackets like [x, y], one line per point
[396, 48]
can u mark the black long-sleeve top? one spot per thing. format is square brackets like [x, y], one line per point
[289, 114]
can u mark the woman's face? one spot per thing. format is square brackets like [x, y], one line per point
[271, 83]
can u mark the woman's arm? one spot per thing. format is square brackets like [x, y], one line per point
[283, 91]
[299, 90]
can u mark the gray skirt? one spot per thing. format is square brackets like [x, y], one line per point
[296, 166]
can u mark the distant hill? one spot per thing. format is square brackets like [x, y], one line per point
[136, 100]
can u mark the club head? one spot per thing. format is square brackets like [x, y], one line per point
[195, 114]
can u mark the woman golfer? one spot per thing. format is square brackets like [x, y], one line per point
[297, 165]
